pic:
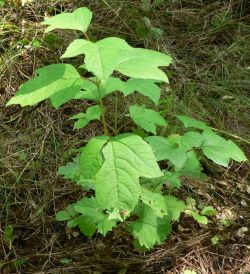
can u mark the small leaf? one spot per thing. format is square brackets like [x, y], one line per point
[8, 234]
[215, 240]
[77, 20]
[163, 150]
[126, 158]
[90, 160]
[191, 166]
[146, 87]
[145, 118]
[155, 201]
[93, 218]
[172, 179]
[191, 122]
[60, 82]
[150, 229]
[92, 113]
[209, 211]
[67, 214]
[65, 261]
[189, 271]
[70, 170]
[175, 207]
[199, 218]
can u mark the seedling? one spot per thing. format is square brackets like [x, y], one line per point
[123, 169]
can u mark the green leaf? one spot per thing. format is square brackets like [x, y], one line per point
[90, 160]
[110, 54]
[8, 234]
[143, 64]
[172, 179]
[209, 211]
[92, 113]
[191, 122]
[191, 166]
[198, 218]
[175, 207]
[145, 118]
[163, 150]
[60, 82]
[70, 170]
[215, 239]
[93, 218]
[100, 57]
[77, 20]
[146, 87]
[92, 93]
[219, 150]
[150, 229]
[155, 201]
[188, 141]
[127, 157]
[156, 184]
[67, 214]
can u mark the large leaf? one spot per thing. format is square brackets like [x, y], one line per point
[77, 20]
[220, 150]
[145, 118]
[127, 157]
[93, 218]
[60, 82]
[90, 160]
[164, 150]
[100, 57]
[143, 64]
[109, 54]
[156, 201]
[83, 119]
[149, 229]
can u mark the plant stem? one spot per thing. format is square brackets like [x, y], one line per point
[116, 112]
[106, 132]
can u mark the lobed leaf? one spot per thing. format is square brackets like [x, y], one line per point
[220, 150]
[191, 122]
[175, 207]
[60, 83]
[114, 54]
[149, 229]
[100, 57]
[92, 217]
[90, 160]
[155, 201]
[163, 150]
[92, 113]
[145, 118]
[77, 20]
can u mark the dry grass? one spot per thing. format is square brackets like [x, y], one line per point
[209, 41]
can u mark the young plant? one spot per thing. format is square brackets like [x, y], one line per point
[122, 170]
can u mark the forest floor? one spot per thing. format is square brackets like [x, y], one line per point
[209, 79]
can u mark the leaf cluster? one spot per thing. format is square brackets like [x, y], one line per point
[123, 170]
